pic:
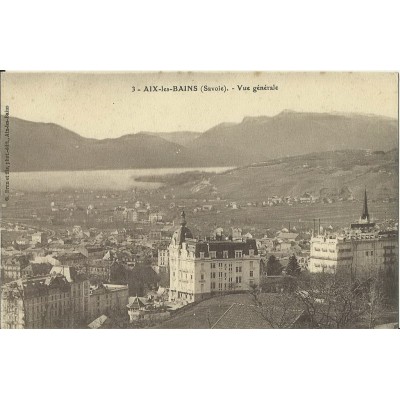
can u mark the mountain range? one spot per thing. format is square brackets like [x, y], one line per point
[36, 146]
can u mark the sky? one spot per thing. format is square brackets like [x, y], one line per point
[103, 105]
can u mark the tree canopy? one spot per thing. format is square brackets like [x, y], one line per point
[293, 267]
[274, 267]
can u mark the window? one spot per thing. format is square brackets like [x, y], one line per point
[238, 253]
[212, 265]
[220, 274]
[238, 279]
[251, 253]
[366, 253]
[372, 253]
[202, 254]
[251, 273]
[213, 254]
[219, 265]
[202, 277]
[212, 275]
[251, 264]
[225, 254]
[238, 269]
[212, 285]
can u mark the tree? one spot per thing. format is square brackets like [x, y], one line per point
[279, 310]
[274, 267]
[293, 267]
[372, 292]
[389, 277]
[331, 301]
[119, 274]
[140, 279]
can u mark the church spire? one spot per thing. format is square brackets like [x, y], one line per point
[365, 214]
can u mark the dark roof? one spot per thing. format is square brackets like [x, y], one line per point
[181, 234]
[242, 316]
[36, 286]
[136, 303]
[220, 246]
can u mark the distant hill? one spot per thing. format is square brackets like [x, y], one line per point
[292, 133]
[43, 146]
[182, 138]
[330, 175]
[46, 146]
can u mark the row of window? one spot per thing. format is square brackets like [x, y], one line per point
[213, 275]
[230, 265]
[223, 285]
[225, 254]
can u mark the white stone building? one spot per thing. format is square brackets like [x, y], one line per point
[361, 247]
[200, 268]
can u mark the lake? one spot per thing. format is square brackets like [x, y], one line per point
[47, 181]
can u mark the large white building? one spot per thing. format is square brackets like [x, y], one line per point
[361, 247]
[200, 268]
[57, 300]
[328, 253]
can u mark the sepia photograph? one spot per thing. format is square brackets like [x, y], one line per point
[199, 200]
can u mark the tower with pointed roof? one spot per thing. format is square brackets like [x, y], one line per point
[364, 223]
[365, 214]
[182, 233]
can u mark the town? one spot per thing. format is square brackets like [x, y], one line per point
[146, 258]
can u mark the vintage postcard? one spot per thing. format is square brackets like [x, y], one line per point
[212, 200]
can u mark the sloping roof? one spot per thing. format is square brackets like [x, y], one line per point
[181, 234]
[136, 303]
[392, 325]
[244, 316]
[100, 322]
[241, 316]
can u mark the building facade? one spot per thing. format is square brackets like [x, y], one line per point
[12, 268]
[362, 247]
[106, 299]
[43, 302]
[199, 269]
[163, 260]
[80, 291]
[328, 253]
